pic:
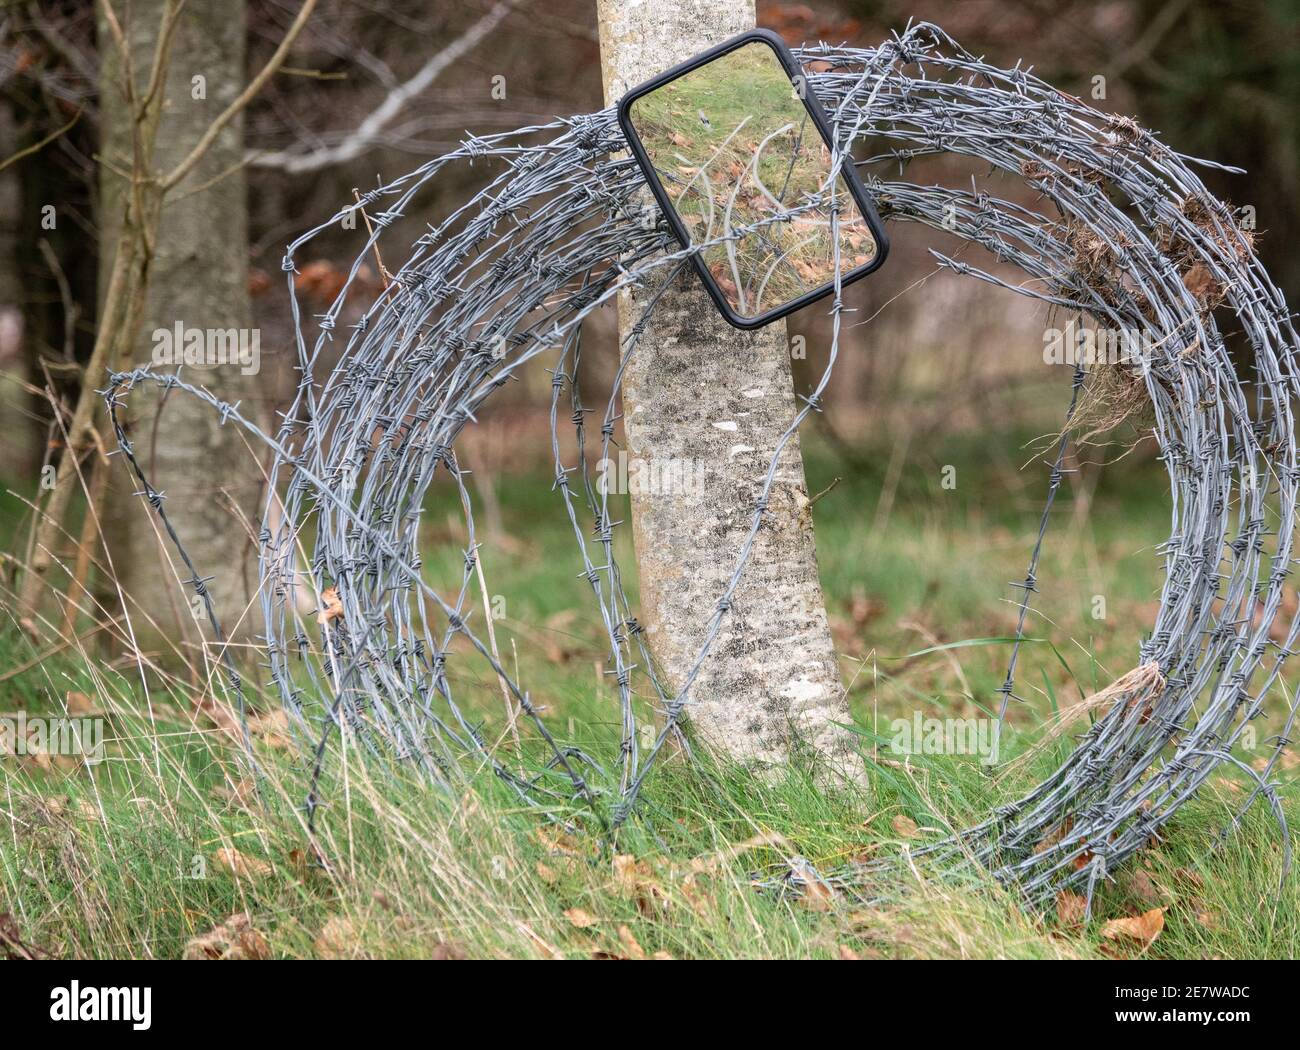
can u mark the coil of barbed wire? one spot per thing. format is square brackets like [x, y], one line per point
[1136, 243]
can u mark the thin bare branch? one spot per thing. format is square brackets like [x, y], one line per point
[36, 147]
[245, 97]
[368, 132]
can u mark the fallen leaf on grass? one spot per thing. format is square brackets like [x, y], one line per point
[905, 826]
[47, 762]
[630, 945]
[696, 895]
[221, 715]
[271, 729]
[816, 894]
[635, 879]
[557, 840]
[240, 864]
[62, 806]
[579, 918]
[1140, 885]
[1070, 908]
[628, 871]
[236, 938]
[1144, 928]
[336, 938]
[79, 704]
[447, 951]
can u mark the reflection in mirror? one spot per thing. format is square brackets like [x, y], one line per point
[735, 147]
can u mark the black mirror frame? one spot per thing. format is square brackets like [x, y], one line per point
[849, 173]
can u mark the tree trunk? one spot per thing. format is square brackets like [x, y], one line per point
[197, 277]
[703, 393]
[13, 301]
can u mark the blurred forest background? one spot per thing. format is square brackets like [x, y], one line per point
[371, 88]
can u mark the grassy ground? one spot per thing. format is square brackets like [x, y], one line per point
[169, 848]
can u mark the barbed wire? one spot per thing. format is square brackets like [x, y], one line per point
[1128, 236]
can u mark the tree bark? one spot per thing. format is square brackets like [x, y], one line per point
[705, 394]
[197, 276]
[12, 299]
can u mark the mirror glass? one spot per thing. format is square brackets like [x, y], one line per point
[747, 170]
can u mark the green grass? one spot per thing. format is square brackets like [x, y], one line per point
[98, 861]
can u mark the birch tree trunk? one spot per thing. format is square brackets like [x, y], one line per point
[198, 279]
[703, 393]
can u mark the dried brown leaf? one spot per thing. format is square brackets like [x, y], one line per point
[1070, 908]
[222, 715]
[236, 938]
[1144, 928]
[271, 729]
[241, 865]
[1140, 885]
[336, 938]
[904, 826]
[579, 918]
[630, 945]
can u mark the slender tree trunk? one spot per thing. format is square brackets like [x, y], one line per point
[12, 299]
[196, 272]
[699, 391]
